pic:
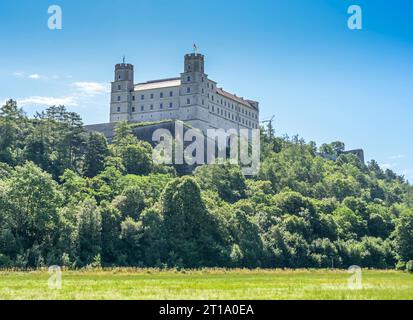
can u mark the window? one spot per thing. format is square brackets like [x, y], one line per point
[170, 104]
[119, 87]
[161, 106]
[161, 95]
[151, 95]
[142, 97]
[188, 79]
[202, 90]
[208, 85]
[133, 109]
[133, 98]
[151, 106]
[171, 93]
[203, 102]
[213, 108]
[188, 90]
[142, 108]
[188, 101]
[202, 79]
[118, 98]
[212, 98]
[118, 109]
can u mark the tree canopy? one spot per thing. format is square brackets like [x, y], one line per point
[71, 198]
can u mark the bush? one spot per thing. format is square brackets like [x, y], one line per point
[5, 261]
[401, 266]
[409, 266]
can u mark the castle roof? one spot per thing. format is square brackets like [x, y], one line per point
[231, 96]
[176, 82]
[158, 84]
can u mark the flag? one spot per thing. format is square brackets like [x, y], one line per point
[195, 48]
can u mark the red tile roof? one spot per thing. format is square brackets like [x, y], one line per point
[231, 96]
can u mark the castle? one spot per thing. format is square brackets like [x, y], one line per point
[192, 98]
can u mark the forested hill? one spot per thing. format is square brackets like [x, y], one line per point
[69, 198]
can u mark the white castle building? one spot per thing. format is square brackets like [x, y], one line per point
[192, 98]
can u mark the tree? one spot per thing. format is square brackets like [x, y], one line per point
[31, 213]
[136, 155]
[111, 232]
[11, 128]
[350, 225]
[131, 202]
[404, 235]
[191, 233]
[67, 140]
[131, 233]
[247, 248]
[122, 131]
[89, 232]
[75, 188]
[226, 179]
[96, 151]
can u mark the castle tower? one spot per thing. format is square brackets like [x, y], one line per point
[193, 79]
[194, 62]
[122, 86]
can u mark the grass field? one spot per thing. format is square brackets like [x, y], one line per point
[206, 284]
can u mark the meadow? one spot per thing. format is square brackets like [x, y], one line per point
[207, 284]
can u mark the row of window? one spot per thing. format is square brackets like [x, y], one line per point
[152, 96]
[161, 106]
[234, 107]
[233, 117]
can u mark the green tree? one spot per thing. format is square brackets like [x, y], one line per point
[226, 179]
[12, 122]
[89, 232]
[404, 235]
[191, 233]
[31, 213]
[136, 155]
[111, 232]
[96, 151]
[131, 202]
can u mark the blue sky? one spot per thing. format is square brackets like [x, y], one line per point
[320, 79]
